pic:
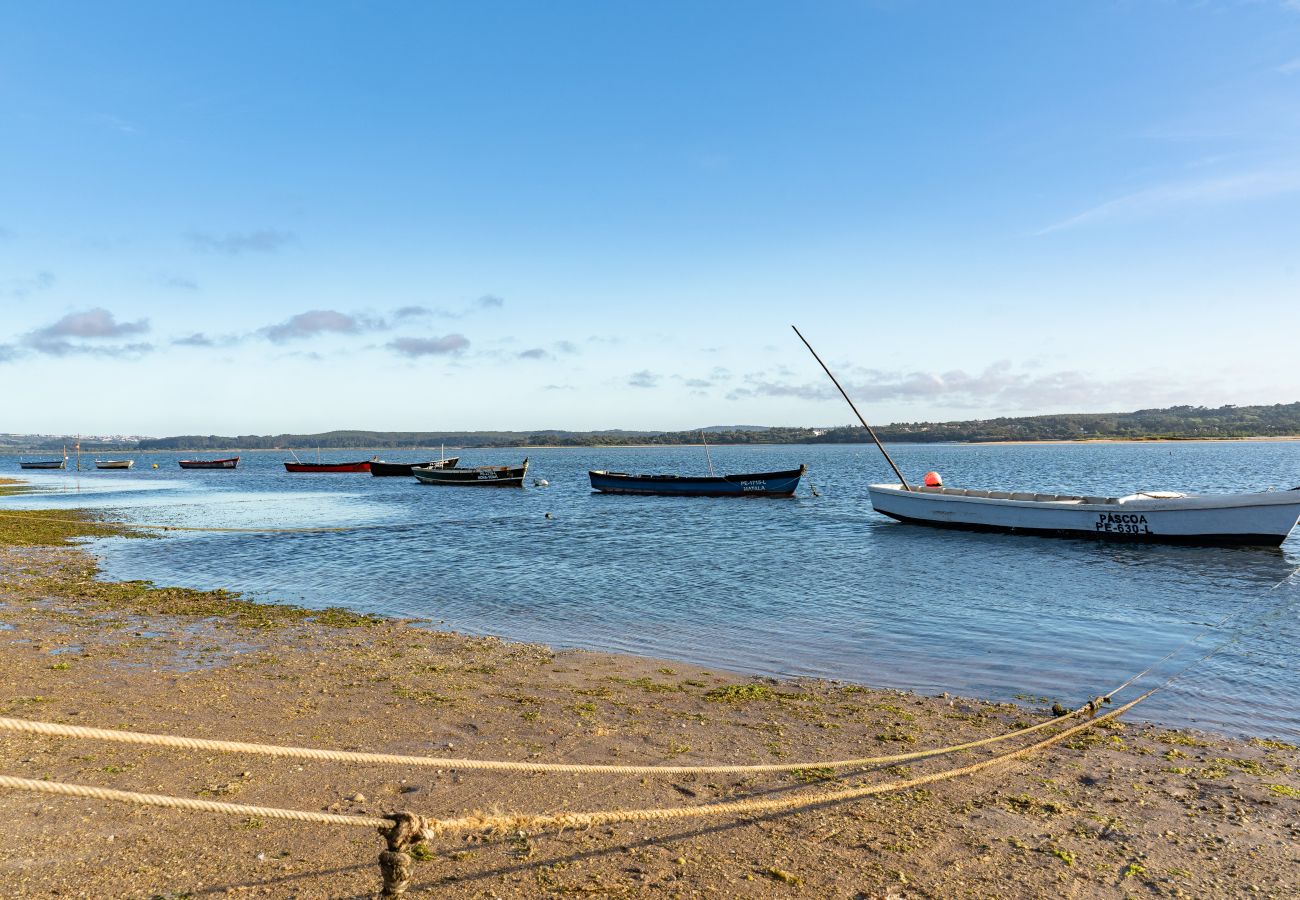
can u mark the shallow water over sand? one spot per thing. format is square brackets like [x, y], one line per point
[811, 586]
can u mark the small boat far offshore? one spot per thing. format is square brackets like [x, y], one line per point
[760, 484]
[379, 468]
[1262, 519]
[114, 463]
[209, 463]
[479, 476]
[44, 464]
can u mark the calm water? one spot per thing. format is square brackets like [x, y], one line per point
[811, 586]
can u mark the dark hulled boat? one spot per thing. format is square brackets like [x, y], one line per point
[44, 464]
[380, 468]
[479, 476]
[761, 484]
[209, 463]
[363, 466]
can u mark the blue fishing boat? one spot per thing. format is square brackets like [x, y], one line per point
[758, 484]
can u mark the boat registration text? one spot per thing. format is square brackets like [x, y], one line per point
[1122, 523]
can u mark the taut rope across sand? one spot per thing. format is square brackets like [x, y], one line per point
[56, 729]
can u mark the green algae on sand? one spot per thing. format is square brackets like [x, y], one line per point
[75, 578]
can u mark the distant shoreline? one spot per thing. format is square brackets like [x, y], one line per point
[894, 443]
[1281, 438]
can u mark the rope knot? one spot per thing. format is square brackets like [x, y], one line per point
[396, 863]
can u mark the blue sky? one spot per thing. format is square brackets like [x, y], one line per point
[233, 218]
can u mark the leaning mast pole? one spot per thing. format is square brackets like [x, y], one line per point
[870, 430]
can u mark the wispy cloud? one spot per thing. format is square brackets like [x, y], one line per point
[413, 347]
[1289, 68]
[234, 243]
[1201, 192]
[1000, 385]
[203, 339]
[178, 282]
[417, 311]
[534, 353]
[316, 322]
[116, 123]
[643, 379]
[92, 323]
[70, 334]
[25, 287]
[568, 347]
[413, 312]
[8, 353]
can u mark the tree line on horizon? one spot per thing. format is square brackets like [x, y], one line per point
[1172, 423]
[1176, 422]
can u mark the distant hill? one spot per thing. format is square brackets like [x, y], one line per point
[1176, 422]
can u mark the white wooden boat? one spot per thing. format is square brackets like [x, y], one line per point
[114, 463]
[1258, 519]
[1253, 520]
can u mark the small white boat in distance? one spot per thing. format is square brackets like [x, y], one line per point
[1251, 520]
[114, 463]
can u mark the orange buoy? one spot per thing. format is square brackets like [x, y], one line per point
[933, 479]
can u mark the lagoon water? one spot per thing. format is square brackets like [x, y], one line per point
[811, 586]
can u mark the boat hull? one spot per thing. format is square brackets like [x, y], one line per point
[481, 476]
[114, 464]
[52, 464]
[387, 469]
[209, 463]
[760, 484]
[363, 466]
[1254, 520]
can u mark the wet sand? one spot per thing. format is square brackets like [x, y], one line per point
[1126, 809]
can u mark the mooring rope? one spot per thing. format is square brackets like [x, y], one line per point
[234, 809]
[431, 828]
[1213, 626]
[434, 827]
[57, 729]
[402, 830]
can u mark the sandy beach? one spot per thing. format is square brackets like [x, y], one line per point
[1123, 809]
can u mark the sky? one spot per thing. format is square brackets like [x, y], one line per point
[237, 218]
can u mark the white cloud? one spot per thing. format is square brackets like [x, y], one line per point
[25, 287]
[1000, 385]
[234, 243]
[414, 348]
[1201, 192]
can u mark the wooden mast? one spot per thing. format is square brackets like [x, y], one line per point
[870, 431]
